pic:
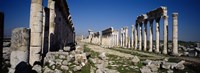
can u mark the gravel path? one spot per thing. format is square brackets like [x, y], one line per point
[108, 51]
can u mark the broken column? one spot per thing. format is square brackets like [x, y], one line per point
[165, 19]
[20, 42]
[36, 31]
[175, 33]
[157, 35]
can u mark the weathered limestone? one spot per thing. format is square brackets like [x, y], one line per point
[140, 40]
[20, 42]
[36, 31]
[132, 36]
[1, 36]
[175, 34]
[107, 37]
[165, 34]
[157, 35]
[145, 35]
[126, 37]
[151, 37]
[121, 37]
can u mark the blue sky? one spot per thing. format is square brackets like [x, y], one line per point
[101, 14]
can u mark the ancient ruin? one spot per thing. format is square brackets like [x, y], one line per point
[139, 32]
[50, 45]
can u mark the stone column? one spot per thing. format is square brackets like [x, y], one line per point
[126, 38]
[136, 35]
[51, 5]
[36, 31]
[132, 36]
[151, 36]
[145, 35]
[1, 37]
[140, 40]
[157, 35]
[175, 34]
[117, 38]
[121, 38]
[165, 18]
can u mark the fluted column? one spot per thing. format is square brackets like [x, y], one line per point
[158, 35]
[151, 36]
[145, 35]
[36, 15]
[175, 34]
[132, 40]
[165, 18]
[140, 40]
[136, 36]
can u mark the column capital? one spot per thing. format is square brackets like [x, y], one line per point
[175, 14]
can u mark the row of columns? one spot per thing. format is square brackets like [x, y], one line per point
[124, 37]
[157, 48]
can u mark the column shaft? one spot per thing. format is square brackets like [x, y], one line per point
[140, 40]
[136, 36]
[132, 40]
[165, 34]
[145, 35]
[175, 33]
[157, 35]
[36, 19]
[151, 36]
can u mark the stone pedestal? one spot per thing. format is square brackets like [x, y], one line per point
[36, 21]
[175, 33]
[157, 35]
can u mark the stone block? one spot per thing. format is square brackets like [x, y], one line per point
[18, 56]
[20, 39]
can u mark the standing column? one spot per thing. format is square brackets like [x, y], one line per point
[51, 5]
[151, 36]
[175, 34]
[126, 38]
[157, 35]
[136, 35]
[165, 18]
[140, 40]
[36, 31]
[121, 38]
[132, 40]
[145, 35]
